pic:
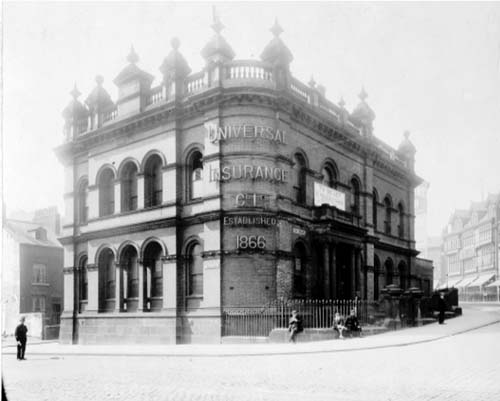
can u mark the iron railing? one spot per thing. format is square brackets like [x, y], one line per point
[260, 321]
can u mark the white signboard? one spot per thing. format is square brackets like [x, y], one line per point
[330, 196]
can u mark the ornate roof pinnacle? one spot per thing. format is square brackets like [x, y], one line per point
[175, 43]
[217, 25]
[312, 82]
[341, 102]
[99, 79]
[276, 29]
[406, 134]
[363, 95]
[132, 57]
[75, 92]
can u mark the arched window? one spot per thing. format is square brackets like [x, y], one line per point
[388, 217]
[195, 270]
[130, 268]
[401, 226]
[402, 275]
[154, 276]
[106, 192]
[195, 171]
[153, 182]
[355, 203]
[376, 276]
[301, 181]
[82, 283]
[299, 270]
[83, 191]
[106, 266]
[129, 187]
[329, 177]
[375, 210]
[389, 271]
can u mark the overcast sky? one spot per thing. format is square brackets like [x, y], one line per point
[432, 69]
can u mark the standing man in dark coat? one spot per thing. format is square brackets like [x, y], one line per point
[441, 307]
[21, 331]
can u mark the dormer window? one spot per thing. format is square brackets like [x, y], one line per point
[40, 234]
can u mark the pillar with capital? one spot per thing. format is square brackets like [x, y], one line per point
[326, 270]
[140, 292]
[118, 288]
[169, 284]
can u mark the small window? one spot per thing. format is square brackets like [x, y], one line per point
[195, 175]
[39, 273]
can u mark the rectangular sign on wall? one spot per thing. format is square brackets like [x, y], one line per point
[330, 196]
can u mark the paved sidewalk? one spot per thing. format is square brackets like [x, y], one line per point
[471, 320]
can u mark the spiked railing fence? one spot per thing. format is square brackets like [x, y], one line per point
[260, 321]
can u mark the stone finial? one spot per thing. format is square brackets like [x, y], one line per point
[276, 29]
[175, 43]
[342, 102]
[406, 135]
[312, 82]
[75, 93]
[363, 95]
[132, 57]
[99, 79]
[217, 25]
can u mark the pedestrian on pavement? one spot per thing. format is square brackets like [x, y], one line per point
[338, 324]
[441, 307]
[352, 323]
[294, 326]
[21, 338]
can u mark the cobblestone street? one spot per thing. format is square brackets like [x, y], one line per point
[461, 367]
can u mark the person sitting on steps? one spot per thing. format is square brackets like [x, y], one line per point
[338, 324]
[352, 324]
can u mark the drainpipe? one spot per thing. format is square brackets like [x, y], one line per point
[74, 332]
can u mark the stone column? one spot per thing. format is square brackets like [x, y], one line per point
[93, 288]
[360, 270]
[370, 283]
[333, 270]
[140, 268]
[118, 288]
[140, 191]
[170, 284]
[326, 269]
[69, 294]
[353, 272]
[118, 196]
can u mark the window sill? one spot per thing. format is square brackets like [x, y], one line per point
[41, 284]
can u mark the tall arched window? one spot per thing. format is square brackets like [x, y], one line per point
[154, 275]
[299, 270]
[301, 182]
[83, 191]
[195, 171]
[375, 210]
[82, 283]
[401, 226]
[106, 266]
[376, 276]
[402, 275]
[106, 192]
[355, 203]
[153, 191]
[388, 217]
[129, 265]
[389, 271]
[329, 176]
[195, 270]
[129, 187]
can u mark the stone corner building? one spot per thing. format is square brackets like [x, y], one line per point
[233, 186]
